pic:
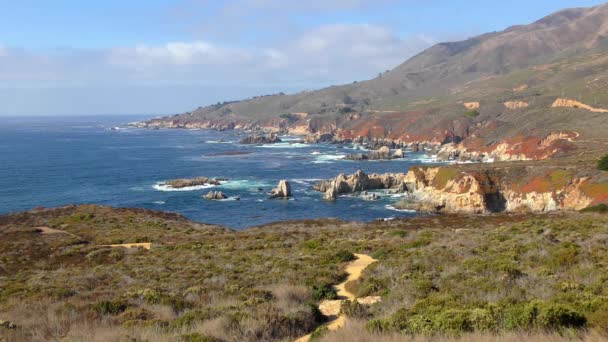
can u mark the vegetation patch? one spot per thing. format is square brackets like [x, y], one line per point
[602, 164]
[443, 176]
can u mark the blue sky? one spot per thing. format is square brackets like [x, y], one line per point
[68, 57]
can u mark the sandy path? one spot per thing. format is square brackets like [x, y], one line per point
[51, 231]
[331, 308]
[146, 245]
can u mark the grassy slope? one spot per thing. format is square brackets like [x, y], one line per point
[445, 275]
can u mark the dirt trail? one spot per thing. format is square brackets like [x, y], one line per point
[146, 245]
[331, 308]
[51, 231]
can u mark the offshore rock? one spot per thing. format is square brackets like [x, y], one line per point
[260, 139]
[215, 195]
[357, 182]
[185, 182]
[283, 190]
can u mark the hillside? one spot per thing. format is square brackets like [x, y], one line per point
[532, 82]
[526, 276]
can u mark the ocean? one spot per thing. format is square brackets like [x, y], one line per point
[56, 161]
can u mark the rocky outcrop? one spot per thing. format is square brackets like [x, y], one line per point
[357, 182]
[516, 104]
[455, 190]
[198, 181]
[260, 139]
[283, 190]
[7, 325]
[471, 105]
[577, 104]
[215, 195]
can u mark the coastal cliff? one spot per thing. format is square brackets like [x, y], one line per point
[456, 190]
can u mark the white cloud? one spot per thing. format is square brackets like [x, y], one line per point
[177, 53]
[324, 55]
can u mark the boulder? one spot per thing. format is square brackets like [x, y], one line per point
[7, 325]
[283, 190]
[331, 194]
[215, 195]
[260, 139]
[399, 154]
[370, 196]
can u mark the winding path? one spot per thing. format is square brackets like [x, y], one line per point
[331, 308]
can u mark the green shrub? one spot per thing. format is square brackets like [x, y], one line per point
[107, 307]
[600, 208]
[472, 113]
[196, 337]
[555, 316]
[353, 309]
[344, 256]
[324, 291]
[452, 321]
[379, 325]
[380, 254]
[318, 333]
[399, 233]
[602, 164]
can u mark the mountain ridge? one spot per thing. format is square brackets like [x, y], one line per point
[561, 56]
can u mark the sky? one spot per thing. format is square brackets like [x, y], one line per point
[74, 57]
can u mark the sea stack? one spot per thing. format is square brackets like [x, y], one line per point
[283, 190]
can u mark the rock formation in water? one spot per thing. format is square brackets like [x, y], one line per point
[283, 190]
[383, 153]
[357, 182]
[215, 195]
[260, 139]
[198, 181]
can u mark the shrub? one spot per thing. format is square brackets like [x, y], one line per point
[324, 291]
[344, 256]
[472, 113]
[399, 233]
[318, 333]
[379, 325]
[553, 316]
[600, 208]
[353, 309]
[602, 164]
[196, 337]
[106, 307]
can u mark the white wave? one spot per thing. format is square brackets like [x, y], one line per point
[328, 158]
[285, 145]
[164, 187]
[306, 181]
[288, 138]
[159, 202]
[244, 184]
[316, 153]
[390, 207]
[219, 142]
[229, 199]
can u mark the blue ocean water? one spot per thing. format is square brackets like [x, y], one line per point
[57, 161]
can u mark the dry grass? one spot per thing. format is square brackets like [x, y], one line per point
[355, 331]
[257, 284]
